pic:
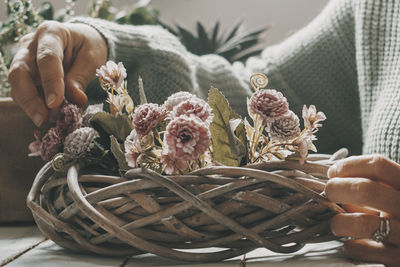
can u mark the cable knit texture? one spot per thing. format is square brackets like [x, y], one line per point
[346, 62]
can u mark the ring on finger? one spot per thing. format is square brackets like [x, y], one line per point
[382, 233]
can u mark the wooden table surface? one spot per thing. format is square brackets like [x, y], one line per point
[26, 246]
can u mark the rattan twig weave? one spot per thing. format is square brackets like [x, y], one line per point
[278, 205]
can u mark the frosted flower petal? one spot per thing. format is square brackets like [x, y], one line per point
[112, 73]
[70, 119]
[312, 118]
[187, 137]
[89, 113]
[80, 141]
[146, 117]
[195, 106]
[286, 128]
[174, 99]
[269, 104]
[132, 148]
[51, 143]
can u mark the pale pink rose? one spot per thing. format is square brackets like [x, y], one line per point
[312, 118]
[187, 137]
[133, 149]
[112, 73]
[34, 147]
[146, 117]
[286, 128]
[51, 143]
[174, 99]
[269, 104]
[170, 165]
[70, 119]
[195, 106]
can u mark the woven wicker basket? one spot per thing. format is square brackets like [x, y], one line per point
[277, 205]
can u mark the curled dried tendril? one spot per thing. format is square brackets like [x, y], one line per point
[258, 80]
[60, 162]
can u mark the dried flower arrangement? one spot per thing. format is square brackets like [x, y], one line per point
[187, 174]
[183, 134]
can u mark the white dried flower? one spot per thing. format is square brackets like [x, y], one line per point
[89, 113]
[312, 118]
[112, 73]
[269, 104]
[80, 141]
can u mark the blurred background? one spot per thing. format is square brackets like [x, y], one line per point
[233, 29]
[282, 16]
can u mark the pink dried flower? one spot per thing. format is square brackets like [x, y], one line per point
[195, 106]
[34, 147]
[133, 149]
[174, 99]
[305, 143]
[312, 118]
[187, 137]
[80, 141]
[70, 119]
[269, 104]
[112, 73]
[172, 166]
[303, 150]
[51, 143]
[146, 117]
[286, 128]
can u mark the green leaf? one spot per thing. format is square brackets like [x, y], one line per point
[215, 33]
[203, 37]
[46, 11]
[234, 31]
[227, 142]
[116, 149]
[119, 126]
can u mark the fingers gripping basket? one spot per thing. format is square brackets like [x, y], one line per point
[277, 205]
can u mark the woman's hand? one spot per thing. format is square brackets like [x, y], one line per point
[369, 186]
[58, 60]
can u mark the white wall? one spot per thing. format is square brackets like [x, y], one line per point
[282, 16]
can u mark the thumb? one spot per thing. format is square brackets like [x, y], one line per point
[77, 79]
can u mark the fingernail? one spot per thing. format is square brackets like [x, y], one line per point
[51, 98]
[77, 85]
[38, 119]
[332, 171]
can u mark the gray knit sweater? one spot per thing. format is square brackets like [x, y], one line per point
[346, 62]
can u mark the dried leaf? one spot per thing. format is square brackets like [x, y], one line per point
[237, 146]
[116, 149]
[117, 125]
[249, 129]
[226, 145]
[143, 99]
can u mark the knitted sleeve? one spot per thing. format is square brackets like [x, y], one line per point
[314, 66]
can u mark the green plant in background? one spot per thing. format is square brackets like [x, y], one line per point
[23, 18]
[234, 45]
